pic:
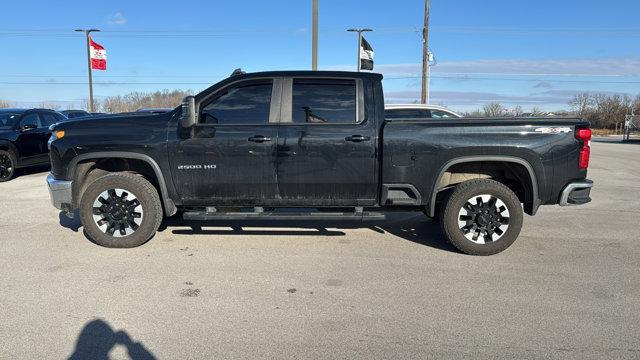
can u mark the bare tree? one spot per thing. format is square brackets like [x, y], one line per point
[5, 104]
[493, 109]
[536, 112]
[582, 104]
[136, 100]
[48, 105]
[517, 111]
[474, 113]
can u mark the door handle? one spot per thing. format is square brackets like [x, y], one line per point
[259, 139]
[357, 138]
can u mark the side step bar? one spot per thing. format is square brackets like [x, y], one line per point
[274, 215]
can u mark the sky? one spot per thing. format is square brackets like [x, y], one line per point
[517, 52]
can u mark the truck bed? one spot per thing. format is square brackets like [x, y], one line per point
[417, 151]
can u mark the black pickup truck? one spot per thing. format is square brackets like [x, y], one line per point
[313, 145]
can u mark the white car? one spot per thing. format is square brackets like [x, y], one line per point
[417, 111]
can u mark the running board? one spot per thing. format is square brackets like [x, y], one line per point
[269, 215]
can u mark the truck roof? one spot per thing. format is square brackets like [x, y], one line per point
[292, 73]
[321, 73]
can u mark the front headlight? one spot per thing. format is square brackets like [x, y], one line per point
[58, 134]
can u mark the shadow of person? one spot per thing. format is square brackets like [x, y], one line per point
[97, 338]
[73, 224]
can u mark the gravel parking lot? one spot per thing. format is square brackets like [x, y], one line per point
[568, 288]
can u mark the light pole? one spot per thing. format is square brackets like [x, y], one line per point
[314, 36]
[359, 31]
[87, 32]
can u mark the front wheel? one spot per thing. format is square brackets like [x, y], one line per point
[120, 210]
[482, 217]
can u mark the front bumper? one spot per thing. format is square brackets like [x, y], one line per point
[60, 193]
[576, 193]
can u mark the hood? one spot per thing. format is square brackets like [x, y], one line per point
[115, 120]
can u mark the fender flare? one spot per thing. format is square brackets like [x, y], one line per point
[467, 159]
[169, 206]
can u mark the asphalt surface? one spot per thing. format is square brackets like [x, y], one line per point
[568, 288]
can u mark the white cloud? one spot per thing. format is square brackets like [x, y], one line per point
[117, 19]
[611, 67]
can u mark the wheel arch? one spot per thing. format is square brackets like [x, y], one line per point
[167, 203]
[9, 146]
[531, 205]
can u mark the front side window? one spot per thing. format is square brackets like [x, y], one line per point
[242, 104]
[324, 101]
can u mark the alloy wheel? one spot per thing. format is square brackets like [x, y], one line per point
[483, 219]
[6, 166]
[117, 212]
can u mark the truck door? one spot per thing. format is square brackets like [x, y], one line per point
[326, 153]
[229, 159]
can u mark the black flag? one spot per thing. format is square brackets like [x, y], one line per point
[366, 55]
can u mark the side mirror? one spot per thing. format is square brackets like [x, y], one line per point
[189, 113]
[28, 127]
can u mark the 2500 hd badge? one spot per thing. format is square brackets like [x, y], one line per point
[197, 167]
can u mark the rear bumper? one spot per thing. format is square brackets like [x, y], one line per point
[60, 193]
[576, 193]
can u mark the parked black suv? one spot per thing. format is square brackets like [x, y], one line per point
[72, 114]
[23, 138]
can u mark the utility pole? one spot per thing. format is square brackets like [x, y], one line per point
[314, 50]
[87, 32]
[359, 31]
[430, 62]
[425, 52]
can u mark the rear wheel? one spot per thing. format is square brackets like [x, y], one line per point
[7, 165]
[120, 210]
[482, 217]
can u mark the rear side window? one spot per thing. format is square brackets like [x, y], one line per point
[243, 104]
[324, 101]
[8, 120]
[48, 119]
[406, 114]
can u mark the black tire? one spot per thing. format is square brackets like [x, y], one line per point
[146, 214]
[7, 165]
[481, 217]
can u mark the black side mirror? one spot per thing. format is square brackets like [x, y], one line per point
[189, 115]
[28, 127]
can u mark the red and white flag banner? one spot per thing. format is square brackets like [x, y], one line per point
[98, 55]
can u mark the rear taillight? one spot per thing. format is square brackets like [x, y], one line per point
[584, 135]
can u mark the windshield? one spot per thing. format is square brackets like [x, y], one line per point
[8, 120]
